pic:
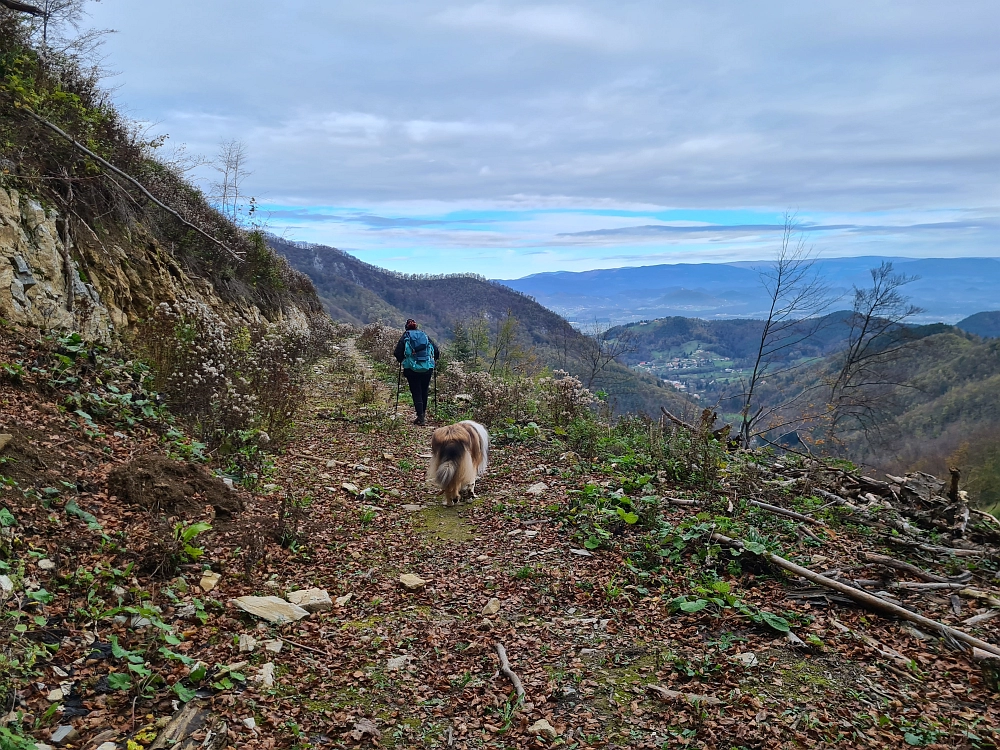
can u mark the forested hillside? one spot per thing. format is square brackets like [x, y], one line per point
[357, 292]
[986, 324]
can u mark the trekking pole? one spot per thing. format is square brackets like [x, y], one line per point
[435, 392]
[399, 380]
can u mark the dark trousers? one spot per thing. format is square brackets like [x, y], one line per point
[420, 384]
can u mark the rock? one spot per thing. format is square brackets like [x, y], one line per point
[747, 659]
[482, 558]
[395, 493]
[537, 489]
[581, 552]
[311, 600]
[64, 734]
[247, 643]
[6, 585]
[274, 609]
[54, 696]
[270, 488]
[531, 534]
[46, 564]
[412, 582]
[5, 440]
[398, 662]
[107, 746]
[266, 675]
[250, 723]
[342, 600]
[351, 488]
[542, 728]
[209, 580]
[43, 746]
[413, 508]
[274, 646]
[388, 456]
[365, 727]
[187, 612]
[492, 607]
[228, 482]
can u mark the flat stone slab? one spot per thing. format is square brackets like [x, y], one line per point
[492, 607]
[537, 489]
[209, 580]
[274, 609]
[412, 582]
[311, 600]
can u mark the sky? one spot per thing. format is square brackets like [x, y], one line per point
[509, 138]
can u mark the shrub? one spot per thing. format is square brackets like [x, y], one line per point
[227, 377]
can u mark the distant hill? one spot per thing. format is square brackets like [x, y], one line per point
[985, 324]
[356, 292]
[948, 288]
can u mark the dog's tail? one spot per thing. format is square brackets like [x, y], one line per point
[445, 473]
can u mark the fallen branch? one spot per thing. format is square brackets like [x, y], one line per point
[787, 513]
[863, 597]
[304, 648]
[891, 562]
[507, 672]
[124, 175]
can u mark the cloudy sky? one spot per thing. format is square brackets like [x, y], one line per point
[512, 137]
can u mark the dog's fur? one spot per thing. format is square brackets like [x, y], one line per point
[459, 455]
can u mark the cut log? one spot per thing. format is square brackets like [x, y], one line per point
[863, 597]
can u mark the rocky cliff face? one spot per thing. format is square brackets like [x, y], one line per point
[56, 274]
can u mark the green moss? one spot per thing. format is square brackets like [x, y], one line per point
[445, 524]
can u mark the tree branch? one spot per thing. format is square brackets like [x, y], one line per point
[22, 7]
[126, 176]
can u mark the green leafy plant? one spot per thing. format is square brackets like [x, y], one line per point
[185, 534]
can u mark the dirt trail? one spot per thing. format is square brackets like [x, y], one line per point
[422, 666]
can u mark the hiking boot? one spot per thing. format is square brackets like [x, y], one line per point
[420, 422]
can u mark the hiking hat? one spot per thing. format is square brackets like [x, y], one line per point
[411, 325]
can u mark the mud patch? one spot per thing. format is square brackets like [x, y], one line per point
[160, 484]
[36, 459]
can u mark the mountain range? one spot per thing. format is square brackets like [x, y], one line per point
[948, 289]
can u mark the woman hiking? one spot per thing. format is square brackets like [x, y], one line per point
[417, 353]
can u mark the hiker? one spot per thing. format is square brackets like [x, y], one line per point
[417, 353]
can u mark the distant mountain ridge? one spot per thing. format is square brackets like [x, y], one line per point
[985, 324]
[948, 289]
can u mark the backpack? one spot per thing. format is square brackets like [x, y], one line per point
[418, 351]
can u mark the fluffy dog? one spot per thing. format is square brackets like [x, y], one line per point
[459, 454]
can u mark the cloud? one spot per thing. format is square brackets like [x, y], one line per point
[407, 113]
[561, 23]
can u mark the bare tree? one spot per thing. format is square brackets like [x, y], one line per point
[231, 164]
[797, 297]
[57, 25]
[861, 387]
[604, 345]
